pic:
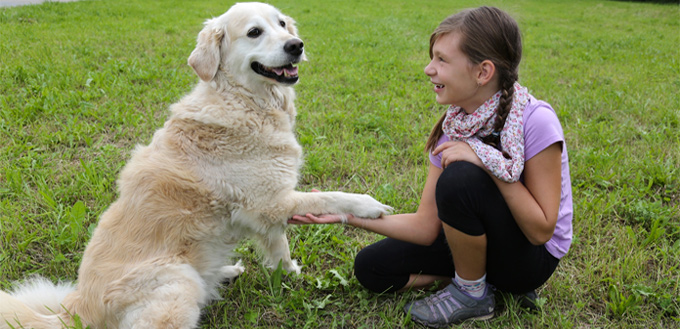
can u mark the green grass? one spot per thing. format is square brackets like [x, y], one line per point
[81, 83]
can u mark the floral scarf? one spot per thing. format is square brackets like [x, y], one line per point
[470, 128]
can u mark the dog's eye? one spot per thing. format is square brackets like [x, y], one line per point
[254, 32]
[282, 23]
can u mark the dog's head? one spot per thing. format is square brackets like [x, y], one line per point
[253, 42]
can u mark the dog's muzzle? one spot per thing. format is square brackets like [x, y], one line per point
[286, 74]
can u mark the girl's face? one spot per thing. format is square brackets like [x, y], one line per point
[453, 76]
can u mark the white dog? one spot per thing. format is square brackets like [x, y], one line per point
[223, 168]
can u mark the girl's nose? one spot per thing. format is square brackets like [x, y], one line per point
[429, 70]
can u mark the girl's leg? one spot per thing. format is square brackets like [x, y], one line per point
[392, 265]
[481, 231]
[468, 252]
[473, 211]
[486, 244]
[470, 204]
[425, 281]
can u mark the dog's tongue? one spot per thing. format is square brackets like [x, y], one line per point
[290, 71]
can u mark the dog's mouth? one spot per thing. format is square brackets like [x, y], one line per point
[287, 74]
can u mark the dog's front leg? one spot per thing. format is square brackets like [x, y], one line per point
[268, 230]
[360, 205]
[274, 245]
[230, 272]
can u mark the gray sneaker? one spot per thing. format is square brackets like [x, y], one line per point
[450, 306]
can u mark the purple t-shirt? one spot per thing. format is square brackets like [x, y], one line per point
[542, 128]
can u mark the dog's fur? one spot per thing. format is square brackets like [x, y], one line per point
[223, 168]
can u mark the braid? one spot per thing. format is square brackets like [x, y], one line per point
[505, 102]
[504, 106]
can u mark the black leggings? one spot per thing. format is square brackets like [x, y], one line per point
[469, 201]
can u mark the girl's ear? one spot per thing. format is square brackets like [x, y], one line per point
[486, 72]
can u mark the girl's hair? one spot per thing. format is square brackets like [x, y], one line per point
[486, 33]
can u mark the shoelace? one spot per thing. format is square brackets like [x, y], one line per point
[436, 300]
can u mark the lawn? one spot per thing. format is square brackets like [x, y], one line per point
[82, 83]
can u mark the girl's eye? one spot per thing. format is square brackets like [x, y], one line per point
[254, 33]
[282, 23]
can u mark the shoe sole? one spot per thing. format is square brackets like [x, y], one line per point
[448, 325]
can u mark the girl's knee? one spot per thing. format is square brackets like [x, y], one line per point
[363, 263]
[461, 180]
[368, 271]
[462, 173]
[462, 191]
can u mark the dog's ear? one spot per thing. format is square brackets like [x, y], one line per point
[205, 59]
[290, 25]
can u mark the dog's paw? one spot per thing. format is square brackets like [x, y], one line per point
[229, 272]
[293, 266]
[368, 207]
[290, 266]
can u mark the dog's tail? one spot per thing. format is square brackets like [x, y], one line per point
[35, 304]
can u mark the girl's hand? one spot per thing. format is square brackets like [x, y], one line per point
[453, 151]
[322, 219]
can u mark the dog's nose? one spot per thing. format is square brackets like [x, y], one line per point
[294, 47]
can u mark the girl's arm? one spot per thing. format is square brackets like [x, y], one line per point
[535, 204]
[421, 227]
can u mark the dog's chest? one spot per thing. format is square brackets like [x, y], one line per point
[247, 151]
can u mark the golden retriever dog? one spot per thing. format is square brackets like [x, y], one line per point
[224, 167]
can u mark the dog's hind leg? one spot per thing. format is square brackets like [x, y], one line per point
[176, 313]
[158, 296]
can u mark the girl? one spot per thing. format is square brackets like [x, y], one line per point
[496, 207]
